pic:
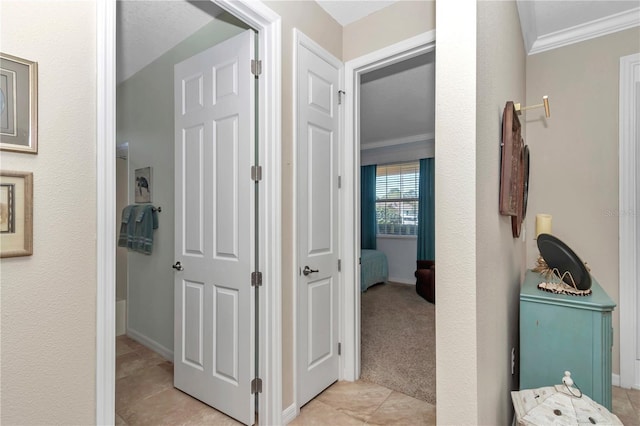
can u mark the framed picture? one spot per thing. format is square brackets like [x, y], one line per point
[144, 186]
[18, 104]
[16, 214]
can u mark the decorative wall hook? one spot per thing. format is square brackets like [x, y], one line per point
[545, 104]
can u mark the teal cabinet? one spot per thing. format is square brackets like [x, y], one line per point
[560, 333]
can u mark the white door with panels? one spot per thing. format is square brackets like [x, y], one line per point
[317, 135]
[214, 308]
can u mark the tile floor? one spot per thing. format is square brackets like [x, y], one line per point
[145, 396]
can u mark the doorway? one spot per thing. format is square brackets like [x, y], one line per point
[350, 249]
[397, 141]
[267, 23]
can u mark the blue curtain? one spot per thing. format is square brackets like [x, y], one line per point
[368, 207]
[426, 211]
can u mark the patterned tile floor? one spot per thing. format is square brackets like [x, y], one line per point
[145, 396]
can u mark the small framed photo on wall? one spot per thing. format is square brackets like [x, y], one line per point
[144, 186]
[18, 104]
[16, 214]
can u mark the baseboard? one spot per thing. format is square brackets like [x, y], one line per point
[151, 344]
[402, 280]
[289, 414]
[615, 380]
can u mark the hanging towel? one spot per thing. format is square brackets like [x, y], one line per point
[127, 226]
[146, 220]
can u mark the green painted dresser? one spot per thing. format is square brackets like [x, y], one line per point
[561, 333]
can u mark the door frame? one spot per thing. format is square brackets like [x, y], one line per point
[350, 309]
[268, 24]
[627, 217]
[300, 39]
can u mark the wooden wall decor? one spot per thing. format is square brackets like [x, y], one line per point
[514, 173]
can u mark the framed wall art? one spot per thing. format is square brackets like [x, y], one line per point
[18, 104]
[144, 187]
[16, 214]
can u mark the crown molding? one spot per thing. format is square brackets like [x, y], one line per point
[423, 137]
[597, 28]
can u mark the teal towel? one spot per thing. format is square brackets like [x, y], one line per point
[146, 220]
[127, 227]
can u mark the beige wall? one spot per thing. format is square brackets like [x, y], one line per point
[49, 299]
[312, 20]
[387, 26]
[456, 339]
[574, 154]
[499, 256]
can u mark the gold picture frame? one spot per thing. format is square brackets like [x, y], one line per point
[18, 104]
[16, 214]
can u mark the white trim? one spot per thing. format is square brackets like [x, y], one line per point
[161, 350]
[628, 234]
[289, 413]
[424, 137]
[596, 28]
[105, 214]
[268, 24]
[350, 172]
[615, 380]
[301, 39]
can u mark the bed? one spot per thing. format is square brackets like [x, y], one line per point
[373, 268]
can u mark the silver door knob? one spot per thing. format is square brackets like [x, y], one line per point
[306, 271]
[177, 266]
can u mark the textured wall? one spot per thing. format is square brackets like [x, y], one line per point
[456, 339]
[499, 257]
[312, 20]
[574, 154]
[145, 119]
[387, 26]
[48, 300]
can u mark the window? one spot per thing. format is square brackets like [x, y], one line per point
[397, 198]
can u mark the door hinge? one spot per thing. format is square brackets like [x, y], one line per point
[339, 348]
[339, 181]
[256, 173]
[256, 279]
[256, 385]
[256, 67]
[339, 265]
[340, 94]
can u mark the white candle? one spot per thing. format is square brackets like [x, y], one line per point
[543, 224]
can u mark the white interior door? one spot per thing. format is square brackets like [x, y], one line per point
[317, 207]
[214, 349]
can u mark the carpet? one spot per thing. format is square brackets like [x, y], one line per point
[398, 332]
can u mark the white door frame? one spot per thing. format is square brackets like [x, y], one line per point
[302, 40]
[268, 25]
[350, 330]
[629, 234]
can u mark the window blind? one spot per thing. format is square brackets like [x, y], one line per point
[397, 198]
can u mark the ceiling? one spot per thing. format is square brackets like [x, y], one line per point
[147, 29]
[397, 103]
[348, 11]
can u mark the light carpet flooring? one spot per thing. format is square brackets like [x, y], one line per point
[398, 336]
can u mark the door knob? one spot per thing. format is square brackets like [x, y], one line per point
[306, 271]
[177, 266]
